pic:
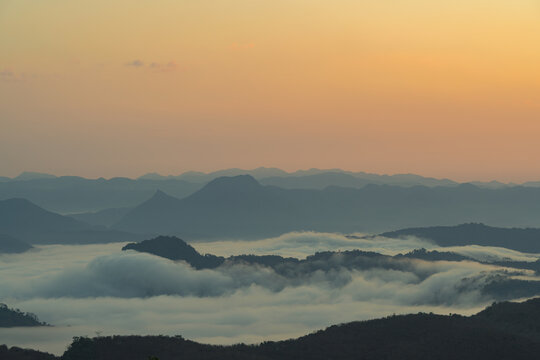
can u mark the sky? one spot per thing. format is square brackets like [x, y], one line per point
[122, 87]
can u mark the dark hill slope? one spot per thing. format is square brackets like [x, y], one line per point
[176, 249]
[16, 353]
[420, 336]
[13, 318]
[173, 248]
[72, 194]
[21, 219]
[10, 245]
[19, 215]
[527, 240]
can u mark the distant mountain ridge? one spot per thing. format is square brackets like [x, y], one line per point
[526, 240]
[78, 195]
[241, 207]
[71, 194]
[21, 219]
[308, 178]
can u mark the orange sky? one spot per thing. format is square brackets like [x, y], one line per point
[124, 87]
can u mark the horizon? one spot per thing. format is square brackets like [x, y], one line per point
[287, 172]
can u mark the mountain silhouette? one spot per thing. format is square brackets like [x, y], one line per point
[201, 177]
[21, 219]
[15, 318]
[225, 207]
[240, 207]
[316, 181]
[17, 353]
[501, 331]
[173, 248]
[20, 215]
[77, 195]
[10, 245]
[527, 240]
[72, 194]
[310, 178]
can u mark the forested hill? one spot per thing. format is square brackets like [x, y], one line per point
[499, 332]
[520, 239]
[15, 317]
[502, 331]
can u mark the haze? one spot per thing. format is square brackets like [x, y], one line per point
[121, 88]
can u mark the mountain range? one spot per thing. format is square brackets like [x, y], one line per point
[241, 207]
[526, 240]
[73, 194]
[24, 221]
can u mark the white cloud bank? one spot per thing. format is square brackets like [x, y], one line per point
[98, 288]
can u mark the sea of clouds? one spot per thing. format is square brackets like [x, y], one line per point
[90, 290]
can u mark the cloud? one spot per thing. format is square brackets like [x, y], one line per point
[89, 288]
[302, 244]
[165, 67]
[8, 75]
[135, 63]
[250, 316]
[154, 66]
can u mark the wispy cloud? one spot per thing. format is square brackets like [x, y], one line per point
[135, 63]
[164, 67]
[101, 288]
[8, 75]
[154, 65]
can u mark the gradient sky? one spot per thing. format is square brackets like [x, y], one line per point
[125, 87]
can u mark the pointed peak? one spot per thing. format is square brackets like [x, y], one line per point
[160, 194]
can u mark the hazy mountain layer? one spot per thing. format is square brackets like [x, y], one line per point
[26, 221]
[311, 178]
[527, 240]
[240, 207]
[71, 194]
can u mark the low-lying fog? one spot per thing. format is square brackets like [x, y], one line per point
[91, 290]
